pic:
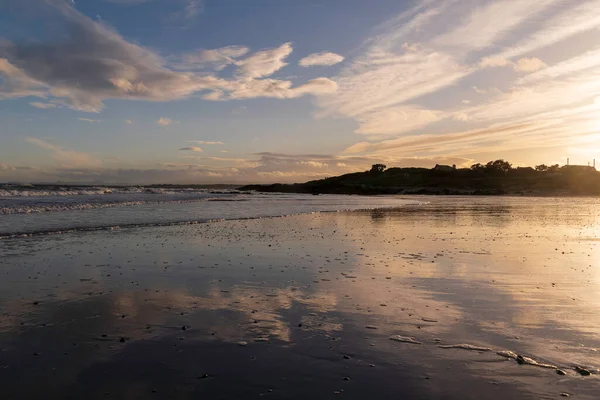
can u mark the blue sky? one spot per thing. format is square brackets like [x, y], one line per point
[205, 91]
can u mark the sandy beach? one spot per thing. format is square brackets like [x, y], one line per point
[422, 302]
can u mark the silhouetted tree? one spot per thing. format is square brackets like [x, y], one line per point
[377, 168]
[477, 167]
[541, 168]
[498, 167]
[554, 168]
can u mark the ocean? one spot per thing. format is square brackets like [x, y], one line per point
[37, 210]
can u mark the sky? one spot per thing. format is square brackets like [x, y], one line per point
[240, 91]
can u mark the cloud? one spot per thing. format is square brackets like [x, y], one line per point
[529, 64]
[395, 120]
[64, 157]
[494, 62]
[522, 65]
[189, 8]
[406, 77]
[215, 58]
[192, 8]
[41, 105]
[579, 17]
[587, 61]
[192, 148]
[486, 24]
[264, 62]
[324, 58]
[91, 121]
[386, 77]
[128, 121]
[164, 121]
[205, 142]
[92, 63]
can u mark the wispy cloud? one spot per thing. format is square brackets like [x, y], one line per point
[192, 148]
[64, 157]
[535, 80]
[91, 121]
[204, 142]
[324, 58]
[41, 105]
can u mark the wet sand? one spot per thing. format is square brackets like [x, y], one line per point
[411, 303]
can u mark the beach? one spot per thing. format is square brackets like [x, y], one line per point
[437, 298]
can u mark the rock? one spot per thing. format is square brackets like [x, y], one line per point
[564, 394]
[346, 378]
[560, 372]
[404, 339]
[507, 354]
[371, 327]
[582, 371]
[530, 361]
[346, 357]
[464, 346]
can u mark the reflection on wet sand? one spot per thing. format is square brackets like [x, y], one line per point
[305, 306]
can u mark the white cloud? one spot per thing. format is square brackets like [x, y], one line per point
[128, 121]
[192, 148]
[264, 62]
[164, 121]
[41, 105]
[324, 58]
[529, 64]
[91, 121]
[204, 142]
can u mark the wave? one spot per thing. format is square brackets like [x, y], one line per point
[40, 208]
[44, 232]
[62, 191]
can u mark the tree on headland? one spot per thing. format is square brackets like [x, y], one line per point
[477, 167]
[377, 168]
[554, 168]
[498, 166]
[541, 168]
